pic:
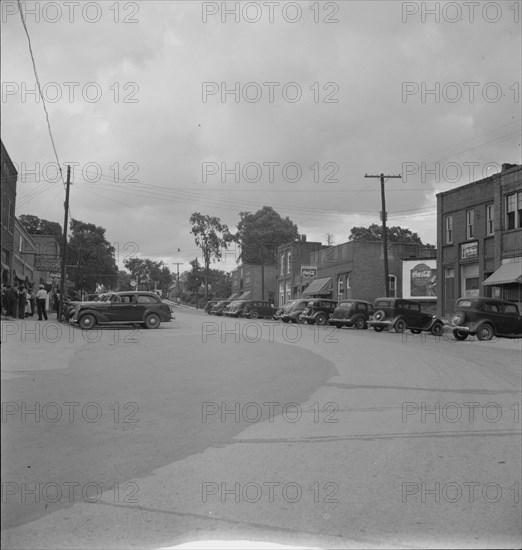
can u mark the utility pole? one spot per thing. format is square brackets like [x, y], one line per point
[64, 244]
[384, 230]
[177, 264]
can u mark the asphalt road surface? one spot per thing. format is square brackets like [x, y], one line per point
[213, 429]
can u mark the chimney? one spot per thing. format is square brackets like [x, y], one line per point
[303, 238]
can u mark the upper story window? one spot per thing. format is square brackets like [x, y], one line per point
[349, 280]
[282, 270]
[470, 224]
[514, 210]
[490, 219]
[340, 286]
[288, 262]
[449, 229]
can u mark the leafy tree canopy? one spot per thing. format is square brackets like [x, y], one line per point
[91, 255]
[395, 234]
[260, 234]
[149, 274]
[39, 226]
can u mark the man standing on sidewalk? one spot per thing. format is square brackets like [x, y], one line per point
[41, 297]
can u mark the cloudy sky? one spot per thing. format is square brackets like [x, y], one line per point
[165, 108]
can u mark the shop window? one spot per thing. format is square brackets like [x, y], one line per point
[470, 224]
[392, 286]
[490, 219]
[449, 229]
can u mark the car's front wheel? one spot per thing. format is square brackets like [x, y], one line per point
[87, 321]
[460, 334]
[485, 333]
[360, 323]
[437, 329]
[321, 319]
[400, 326]
[152, 320]
[254, 314]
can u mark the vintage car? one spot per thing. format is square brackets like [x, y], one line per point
[292, 310]
[486, 317]
[351, 313]
[252, 309]
[219, 307]
[400, 314]
[122, 308]
[318, 311]
[209, 305]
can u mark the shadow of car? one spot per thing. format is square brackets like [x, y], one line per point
[400, 314]
[486, 318]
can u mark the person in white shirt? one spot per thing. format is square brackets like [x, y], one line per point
[41, 298]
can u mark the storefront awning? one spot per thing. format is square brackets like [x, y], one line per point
[245, 295]
[506, 274]
[319, 287]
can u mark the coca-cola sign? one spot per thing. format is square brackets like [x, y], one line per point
[419, 279]
[308, 271]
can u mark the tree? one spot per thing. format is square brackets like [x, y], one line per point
[395, 234]
[90, 257]
[38, 226]
[149, 273]
[261, 233]
[211, 235]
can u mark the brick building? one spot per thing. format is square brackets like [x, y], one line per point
[9, 177]
[355, 269]
[291, 257]
[254, 282]
[479, 231]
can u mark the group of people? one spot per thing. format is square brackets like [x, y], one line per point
[20, 302]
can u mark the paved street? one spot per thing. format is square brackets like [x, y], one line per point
[219, 429]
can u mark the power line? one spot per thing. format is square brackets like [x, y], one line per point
[40, 89]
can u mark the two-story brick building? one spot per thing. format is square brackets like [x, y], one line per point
[291, 258]
[479, 234]
[254, 282]
[355, 270]
[23, 256]
[9, 177]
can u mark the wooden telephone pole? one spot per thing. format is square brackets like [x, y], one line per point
[384, 230]
[61, 316]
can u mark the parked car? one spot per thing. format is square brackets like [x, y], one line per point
[209, 305]
[486, 317]
[145, 308]
[278, 313]
[400, 314]
[318, 311]
[252, 309]
[292, 311]
[351, 313]
[218, 308]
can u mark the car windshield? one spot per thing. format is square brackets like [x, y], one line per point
[347, 305]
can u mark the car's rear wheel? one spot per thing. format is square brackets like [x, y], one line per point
[285, 320]
[378, 328]
[87, 321]
[321, 319]
[400, 326]
[299, 320]
[254, 314]
[460, 334]
[437, 329]
[152, 320]
[485, 333]
[360, 323]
